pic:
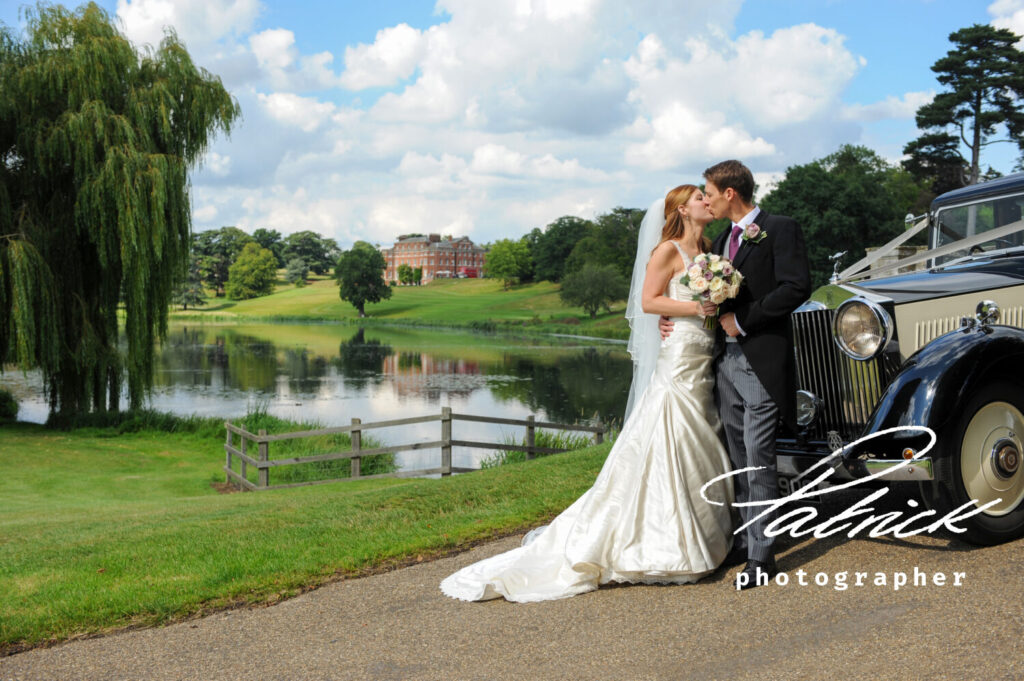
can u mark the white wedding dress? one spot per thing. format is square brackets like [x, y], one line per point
[644, 520]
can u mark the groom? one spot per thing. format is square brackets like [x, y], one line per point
[754, 360]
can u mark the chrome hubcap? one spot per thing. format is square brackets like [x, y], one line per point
[1006, 459]
[990, 457]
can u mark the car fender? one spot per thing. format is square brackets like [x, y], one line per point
[934, 383]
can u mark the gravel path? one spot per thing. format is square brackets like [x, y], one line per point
[399, 626]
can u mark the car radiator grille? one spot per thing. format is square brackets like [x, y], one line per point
[849, 389]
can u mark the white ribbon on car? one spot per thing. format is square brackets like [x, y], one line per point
[882, 251]
[948, 249]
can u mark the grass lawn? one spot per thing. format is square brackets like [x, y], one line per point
[100, 530]
[446, 302]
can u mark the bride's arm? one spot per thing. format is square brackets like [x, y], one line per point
[659, 271]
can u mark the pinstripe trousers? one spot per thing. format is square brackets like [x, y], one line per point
[749, 418]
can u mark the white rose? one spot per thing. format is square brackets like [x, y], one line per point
[716, 284]
[718, 297]
[700, 258]
[715, 257]
[717, 266]
[734, 290]
[695, 272]
[700, 284]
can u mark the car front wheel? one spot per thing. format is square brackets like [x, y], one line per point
[982, 462]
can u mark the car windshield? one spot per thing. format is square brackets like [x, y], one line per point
[960, 222]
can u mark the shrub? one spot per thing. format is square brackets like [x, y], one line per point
[8, 406]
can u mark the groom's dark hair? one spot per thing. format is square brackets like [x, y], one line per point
[732, 174]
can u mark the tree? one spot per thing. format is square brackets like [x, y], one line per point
[404, 274]
[253, 274]
[985, 76]
[509, 261]
[190, 290]
[848, 201]
[552, 247]
[271, 240]
[297, 272]
[594, 287]
[611, 242]
[218, 249]
[934, 158]
[319, 253]
[417, 276]
[360, 276]
[97, 141]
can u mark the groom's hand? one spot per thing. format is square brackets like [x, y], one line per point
[728, 322]
[665, 327]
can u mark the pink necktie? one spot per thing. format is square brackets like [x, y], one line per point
[734, 241]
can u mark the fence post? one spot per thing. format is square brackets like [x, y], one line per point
[264, 449]
[227, 462]
[530, 437]
[357, 444]
[599, 435]
[446, 440]
[244, 468]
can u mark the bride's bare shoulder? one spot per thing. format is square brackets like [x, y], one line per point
[665, 252]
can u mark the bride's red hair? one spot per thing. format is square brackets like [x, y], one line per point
[675, 228]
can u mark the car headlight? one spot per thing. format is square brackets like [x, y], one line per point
[808, 406]
[861, 328]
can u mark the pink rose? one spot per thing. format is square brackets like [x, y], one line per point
[752, 231]
[727, 270]
[709, 275]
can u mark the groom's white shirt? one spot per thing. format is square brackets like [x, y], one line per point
[744, 223]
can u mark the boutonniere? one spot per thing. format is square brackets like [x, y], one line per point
[753, 233]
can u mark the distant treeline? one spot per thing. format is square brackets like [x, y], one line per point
[847, 201]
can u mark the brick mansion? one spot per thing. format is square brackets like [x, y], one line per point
[439, 257]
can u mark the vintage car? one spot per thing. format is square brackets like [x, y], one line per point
[941, 347]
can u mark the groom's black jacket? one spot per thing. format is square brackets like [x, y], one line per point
[776, 280]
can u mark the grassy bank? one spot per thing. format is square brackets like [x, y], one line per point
[467, 303]
[108, 527]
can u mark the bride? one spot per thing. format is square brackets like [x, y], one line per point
[644, 520]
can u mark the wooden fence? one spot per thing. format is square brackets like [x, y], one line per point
[264, 464]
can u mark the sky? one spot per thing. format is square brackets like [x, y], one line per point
[488, 118]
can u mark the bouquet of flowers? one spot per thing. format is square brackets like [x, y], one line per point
[712, 278]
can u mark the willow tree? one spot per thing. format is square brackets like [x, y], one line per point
[96, 141]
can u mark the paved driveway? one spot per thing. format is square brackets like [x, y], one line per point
[399, 626]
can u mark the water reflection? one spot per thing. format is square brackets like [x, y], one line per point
[333, 373]
[360, 360]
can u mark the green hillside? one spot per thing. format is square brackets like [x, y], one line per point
[477, 303]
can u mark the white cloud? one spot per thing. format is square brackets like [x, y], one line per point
[503, 116]
[1008, 14]
[680, 136]
[283, 66]
[513, 65]
[889, 108]
[766, 82]
[197, 22]
[392, 57]
[274, 49]
[494, 159]
[217, 164]
[205, 214]
[304, 113]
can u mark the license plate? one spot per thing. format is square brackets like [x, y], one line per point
[788, 486]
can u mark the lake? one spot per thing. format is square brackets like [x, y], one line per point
[331, 373]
